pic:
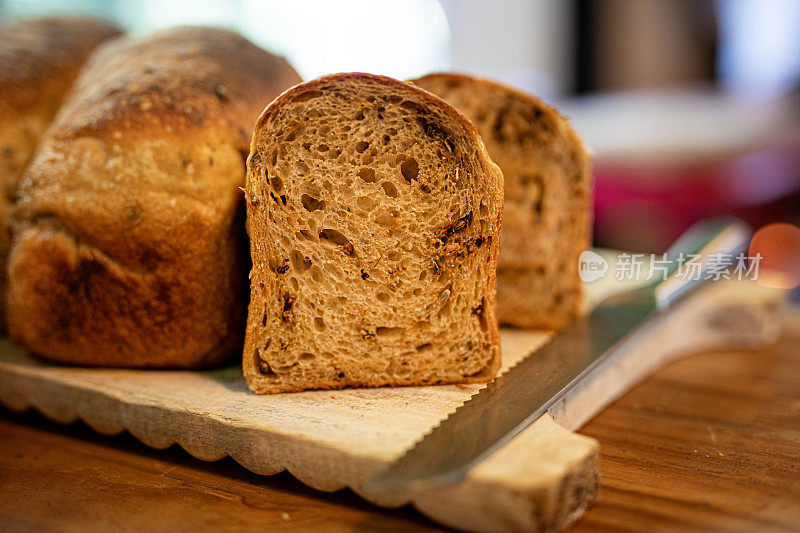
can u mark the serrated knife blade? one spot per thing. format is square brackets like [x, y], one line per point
[517, 398]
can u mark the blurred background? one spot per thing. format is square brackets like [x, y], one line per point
[691, 107]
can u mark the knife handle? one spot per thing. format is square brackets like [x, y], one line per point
[711, 245]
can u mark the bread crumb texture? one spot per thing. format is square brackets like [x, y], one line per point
[374, 214]
[547, 213]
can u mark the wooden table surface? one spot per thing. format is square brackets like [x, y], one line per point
[709, 442]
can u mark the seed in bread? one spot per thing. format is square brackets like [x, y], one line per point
[129, 245]
[39, 60]
[373, 214]
[547, 213]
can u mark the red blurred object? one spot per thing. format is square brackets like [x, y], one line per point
[778, 247]
[646, 207]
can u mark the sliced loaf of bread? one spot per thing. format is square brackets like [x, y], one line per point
[374, 213]
[547, 213]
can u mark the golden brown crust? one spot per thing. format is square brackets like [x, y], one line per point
[129, 247]
[187, 79]
[547, 220]
[39, 60]
[259, 331]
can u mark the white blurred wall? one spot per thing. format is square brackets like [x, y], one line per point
[528, 43]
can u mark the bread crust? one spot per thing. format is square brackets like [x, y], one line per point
[39, 60]
[129, 247]
[255, 327]
[41, 57]
[538, 284]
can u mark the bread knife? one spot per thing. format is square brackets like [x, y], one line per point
[518, 397]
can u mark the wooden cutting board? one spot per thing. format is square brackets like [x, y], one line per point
[329, 440]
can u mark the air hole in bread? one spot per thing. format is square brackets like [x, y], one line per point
[361, 146]
[367, 174]
[311, 203]
[264, 367]
[366, 203]
[308, 95]
[323, 147]
[384, 331]
[305, 234]
[412, 106]
[319, 323]
[288, 302]
[300, 262]
[276, 183]
[292, 133]
[410, 169]
[389, 189]
[382, 296]
[424, 347]
[307, 355]
[479, 312]
[336, 238]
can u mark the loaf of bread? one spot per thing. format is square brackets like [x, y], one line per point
[547, 213]
[128, 234]
[39, 60]
[374, 215]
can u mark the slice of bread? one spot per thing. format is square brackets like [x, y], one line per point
[547, 213]
[128, 245]
[374, 214]
[39, 60]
